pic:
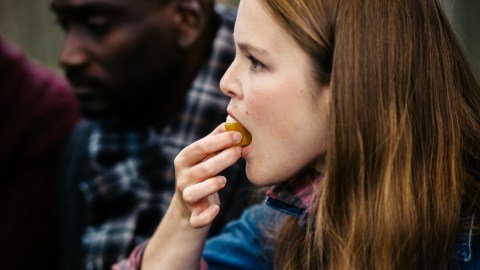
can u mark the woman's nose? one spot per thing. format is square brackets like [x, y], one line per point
[229, 84]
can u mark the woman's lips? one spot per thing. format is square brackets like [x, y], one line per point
[245, 151]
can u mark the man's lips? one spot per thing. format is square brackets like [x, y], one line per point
[83, 82]
[86, 88]
[83, 92]
[87, 93]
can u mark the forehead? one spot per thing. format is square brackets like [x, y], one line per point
[255, 26]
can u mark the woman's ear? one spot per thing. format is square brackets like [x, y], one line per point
[190, 21]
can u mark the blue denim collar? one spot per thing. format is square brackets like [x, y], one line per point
[295, 197]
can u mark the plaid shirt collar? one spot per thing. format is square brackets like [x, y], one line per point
[295, 197]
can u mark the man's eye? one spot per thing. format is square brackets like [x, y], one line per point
[255, 65]
[97, 24]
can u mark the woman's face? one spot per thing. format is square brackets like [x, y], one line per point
[273, 95]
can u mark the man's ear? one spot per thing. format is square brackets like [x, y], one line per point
[190, 20]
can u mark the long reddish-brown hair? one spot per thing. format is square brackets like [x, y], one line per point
[403, 159]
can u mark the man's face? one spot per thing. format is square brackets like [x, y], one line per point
[119, 55]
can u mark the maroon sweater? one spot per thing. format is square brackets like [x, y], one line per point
[37, 114]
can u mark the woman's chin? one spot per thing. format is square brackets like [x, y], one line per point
[252, 176]
[259, 179]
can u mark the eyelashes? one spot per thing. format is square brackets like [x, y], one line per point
[255, 65]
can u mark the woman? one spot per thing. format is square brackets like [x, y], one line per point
[365, 120]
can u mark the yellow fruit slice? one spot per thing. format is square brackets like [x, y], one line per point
[232, 125]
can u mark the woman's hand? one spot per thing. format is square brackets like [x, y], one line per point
[195, 202]
[197, 167]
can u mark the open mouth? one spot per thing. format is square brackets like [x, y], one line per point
[232, 125]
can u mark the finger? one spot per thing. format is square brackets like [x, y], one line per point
[207, 146]
[195, 193]
[203, 218]
[213, 166]
[208, 168]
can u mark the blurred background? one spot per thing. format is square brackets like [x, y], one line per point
[30, 24]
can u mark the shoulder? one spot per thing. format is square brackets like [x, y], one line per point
[76, 151]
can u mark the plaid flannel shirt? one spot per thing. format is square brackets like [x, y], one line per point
[131, 173]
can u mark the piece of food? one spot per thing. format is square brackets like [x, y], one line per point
[232, 125]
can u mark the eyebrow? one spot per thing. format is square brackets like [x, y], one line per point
[86, 8]
[246, 47]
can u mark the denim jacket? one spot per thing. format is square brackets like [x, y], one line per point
[245, 243]
[242, 245]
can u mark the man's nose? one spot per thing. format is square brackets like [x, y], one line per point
[74, 53]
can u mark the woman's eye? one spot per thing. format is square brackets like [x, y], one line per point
[255, 65]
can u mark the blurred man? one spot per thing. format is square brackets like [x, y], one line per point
[146, 75]
[37, 114]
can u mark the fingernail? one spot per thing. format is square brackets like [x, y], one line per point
[214, 209]
[222, 180]
[237, 136]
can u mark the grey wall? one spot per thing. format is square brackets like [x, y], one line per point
[465, 18]
[30, 24]
[229, 2]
